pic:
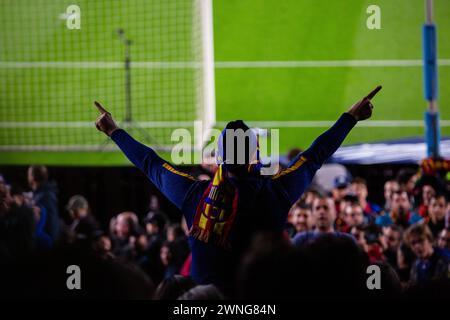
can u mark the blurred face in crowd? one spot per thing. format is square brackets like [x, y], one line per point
[80, 213]
[360, 237]
[401, 259]
[411, 183]
[151, 228]
[360, 189]
[354, 215]
[444, 239]
[103, 244]
[437, 207]
[171, 236]
[165, 255]
[339, 193]
[421, 246]
[391, 238]
[309, 197]
[400, 202]
[390, 187]
[19, 199]
[142, 242]
[154, 203]
[122, 227]
[5, 198]
[302, 219]
[324, 214]
[30, 178]
[427, 193]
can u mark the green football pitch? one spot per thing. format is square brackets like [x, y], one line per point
[295, 65]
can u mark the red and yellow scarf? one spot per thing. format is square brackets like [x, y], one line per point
[216, 211]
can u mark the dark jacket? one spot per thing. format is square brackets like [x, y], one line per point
[45, 197]
[437, 267]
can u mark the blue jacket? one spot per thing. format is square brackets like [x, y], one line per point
[45, 197]
[264, 201]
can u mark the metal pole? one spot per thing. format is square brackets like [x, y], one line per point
[432, 131]
[128, 114]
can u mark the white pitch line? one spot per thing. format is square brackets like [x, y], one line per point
[322, 124]
[217, 64]
[81, 147]
[191, 124]
[96, 65]
[90, 124]
[325, 63]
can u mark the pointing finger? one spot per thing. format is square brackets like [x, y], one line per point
[100, 107]
[373, 93]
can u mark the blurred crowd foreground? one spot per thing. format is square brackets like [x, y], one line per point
[331, 237]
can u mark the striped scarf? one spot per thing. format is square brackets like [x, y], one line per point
[216, 211]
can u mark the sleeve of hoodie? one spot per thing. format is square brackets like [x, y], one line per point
[297, 177]
[171, 182]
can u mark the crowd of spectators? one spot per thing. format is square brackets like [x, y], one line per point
[408, 236]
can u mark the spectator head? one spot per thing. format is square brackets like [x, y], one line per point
[420, 239]
[359, 233]
[155, 223]
[142, 243]
[341, 188]
[102, 245]
[37, 175]
[18, 196]
[301, 216]
[390, 187]
[203, 177]
[173, 287]
[405, 256]
[78, 207]
[270, 254]
[428, 192]
[324, 213]
[437, 207]
[359, 187]
[237, 146]
[5, 198]
[391, 237]
[354, 215]
[338, 267]
[391, 286]
[400, 202]
[309, 195]
[167, 253]
[202, 292]
[443, 241]
[350, 199]
[407, 179]
[126, 224]
[175, 232]
[153, 203]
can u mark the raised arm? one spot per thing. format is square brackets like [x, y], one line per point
[171, 182]
[297, 177]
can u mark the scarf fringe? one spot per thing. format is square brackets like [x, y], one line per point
[204, 235]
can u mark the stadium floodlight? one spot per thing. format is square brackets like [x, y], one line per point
[53, 74]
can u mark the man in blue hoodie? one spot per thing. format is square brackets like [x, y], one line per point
[223, 214]
[44, 197]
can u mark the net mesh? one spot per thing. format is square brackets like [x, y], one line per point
[51, 74]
